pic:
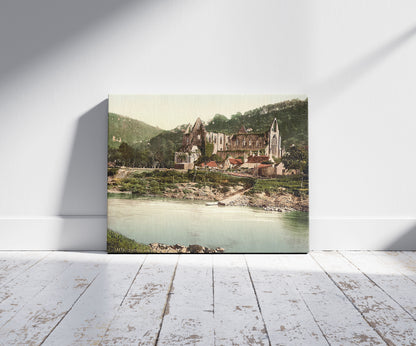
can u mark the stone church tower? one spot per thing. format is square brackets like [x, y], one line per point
[275, 141]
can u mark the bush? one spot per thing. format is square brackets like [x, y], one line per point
[225, 189]
[138, 190]
[112, 171]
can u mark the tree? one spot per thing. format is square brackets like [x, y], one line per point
[296, 158]
[209, 149]
[220, 117]
[127, 154]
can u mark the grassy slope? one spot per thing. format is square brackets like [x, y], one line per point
[117, 243]
[131, 131]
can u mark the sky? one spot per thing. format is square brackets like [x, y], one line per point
[169, 111]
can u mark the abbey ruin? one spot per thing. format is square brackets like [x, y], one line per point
[196, 141]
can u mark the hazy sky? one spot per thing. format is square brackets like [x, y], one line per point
[169, 111]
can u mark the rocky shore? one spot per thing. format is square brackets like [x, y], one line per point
[279, 202]
[163, 248]
[205, 193]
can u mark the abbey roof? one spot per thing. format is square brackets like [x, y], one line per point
[258, 159]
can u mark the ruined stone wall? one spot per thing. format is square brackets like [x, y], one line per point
[219, 140]
[247, 141]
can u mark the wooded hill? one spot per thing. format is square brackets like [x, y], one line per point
[292, 117]
[131, 131]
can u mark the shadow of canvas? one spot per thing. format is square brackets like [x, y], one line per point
[83, 204]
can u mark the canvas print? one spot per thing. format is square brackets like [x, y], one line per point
[208, 174]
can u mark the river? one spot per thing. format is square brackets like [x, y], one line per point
[236, 229]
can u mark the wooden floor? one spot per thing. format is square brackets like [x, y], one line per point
[337, 298]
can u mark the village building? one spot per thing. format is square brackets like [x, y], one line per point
[197, 140]
[255, 161]
[232, 163]
[210, 165]
[269, 170]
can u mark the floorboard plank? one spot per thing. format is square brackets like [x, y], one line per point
[90, 317]
[139, 318]
[14, 263]
[338, 319]
[238, 320]
[386, 276]
[287, 317]
[401, 261]
[391, 322]
[410, 254]
[16, 293]
[189, 318]
[31, 324]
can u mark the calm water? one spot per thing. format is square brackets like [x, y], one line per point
[236, 229]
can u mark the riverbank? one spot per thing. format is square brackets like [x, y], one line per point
[287, 193]
[279, 202]
[118, 243]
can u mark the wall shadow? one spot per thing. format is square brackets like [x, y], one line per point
[327, 90]
[85, 191]
[407, 242]
[30, 30]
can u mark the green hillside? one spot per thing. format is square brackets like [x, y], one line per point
[131, 131]
[292, 117]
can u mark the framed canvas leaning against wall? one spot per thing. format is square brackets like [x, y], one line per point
[208, 174]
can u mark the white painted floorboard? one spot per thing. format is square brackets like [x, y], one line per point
[287, 317]
[336, 298]
[189, 315]
[385, 315]
[339, 320]
[90, 317]
[139, 317]
[238, 320]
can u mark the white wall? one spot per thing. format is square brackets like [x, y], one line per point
[60, 59]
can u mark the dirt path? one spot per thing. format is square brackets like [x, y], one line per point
[233, 197]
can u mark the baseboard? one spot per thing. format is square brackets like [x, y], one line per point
[89, 233]
[54, 233]
[362, 234]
